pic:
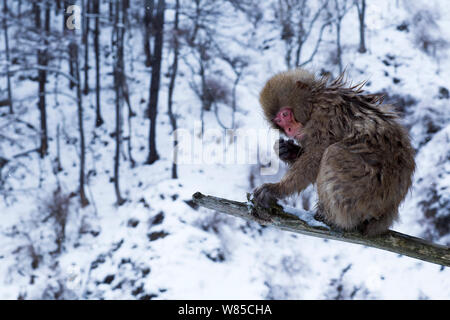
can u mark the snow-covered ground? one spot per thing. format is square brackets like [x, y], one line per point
[158, 246]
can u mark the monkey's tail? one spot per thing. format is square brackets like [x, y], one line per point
[376, 227]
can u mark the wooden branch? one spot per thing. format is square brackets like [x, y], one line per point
[278, 216]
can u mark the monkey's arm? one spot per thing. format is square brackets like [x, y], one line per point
[302, 173]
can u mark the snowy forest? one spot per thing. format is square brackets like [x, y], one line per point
[96, 183]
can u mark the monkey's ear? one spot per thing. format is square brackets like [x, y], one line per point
[302, 85]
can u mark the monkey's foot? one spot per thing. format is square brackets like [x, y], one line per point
[319, 217]
[371, 228]
[265, 196]
[362, 227]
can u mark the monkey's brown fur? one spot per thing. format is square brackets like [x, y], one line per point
[354, 149]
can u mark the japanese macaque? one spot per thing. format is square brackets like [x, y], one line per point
[346, 142]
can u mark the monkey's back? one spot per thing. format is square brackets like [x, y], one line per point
[365, 176]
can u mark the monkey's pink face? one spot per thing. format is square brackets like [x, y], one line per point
[286, 121]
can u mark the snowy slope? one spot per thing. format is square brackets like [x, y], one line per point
[157, 246]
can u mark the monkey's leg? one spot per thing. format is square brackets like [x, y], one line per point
[349, 189]
[323, 216]
[375, 227]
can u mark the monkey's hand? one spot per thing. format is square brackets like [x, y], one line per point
[265, 195]
[287, 150]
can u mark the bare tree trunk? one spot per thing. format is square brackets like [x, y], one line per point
[287, 56]
[130, 133]
[86, 12]
[83, 199]
[42, 58]
[338, 43]
[125, 91]
[173, 75]
[67, 31]
[298, 53]
[154, 85]
[206, 100]
[237, 64]
[149, 5]
[19, 10]
[119, 30]
[58, 150]
[297, 20]
[8, 76]
[98, 115]
[126, 94]
[205, 106]
[361, 15]
[111, 10]
[341, 9]
[233, 96]
[196, 22]
[65, 16]
[75, 66]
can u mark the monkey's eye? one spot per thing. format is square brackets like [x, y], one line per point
[285, 114]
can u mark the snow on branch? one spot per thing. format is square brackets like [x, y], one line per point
[302, 222]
